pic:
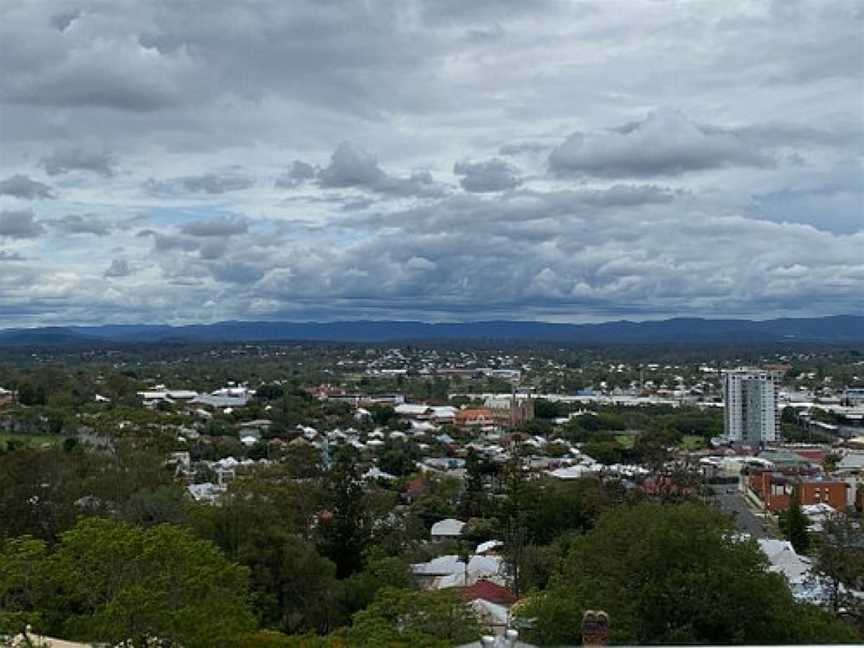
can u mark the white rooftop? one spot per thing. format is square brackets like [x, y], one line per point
[447, 528]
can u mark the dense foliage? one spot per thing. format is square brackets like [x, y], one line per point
[673, 574]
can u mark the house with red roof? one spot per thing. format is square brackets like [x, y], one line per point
[489, 591]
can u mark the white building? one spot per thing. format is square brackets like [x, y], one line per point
[750, 406]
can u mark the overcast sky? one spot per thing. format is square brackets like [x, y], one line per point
[168, 161]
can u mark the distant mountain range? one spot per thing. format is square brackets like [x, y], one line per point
[834, 329]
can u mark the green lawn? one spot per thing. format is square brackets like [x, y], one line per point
[626, 440]
[692, 442]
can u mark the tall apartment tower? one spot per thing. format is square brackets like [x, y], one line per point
[750, 406]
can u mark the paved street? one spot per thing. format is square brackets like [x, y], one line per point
[734, 503]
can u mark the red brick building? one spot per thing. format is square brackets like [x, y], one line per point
[475, 416]
[775, 490]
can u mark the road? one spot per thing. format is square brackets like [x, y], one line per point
[735, 504]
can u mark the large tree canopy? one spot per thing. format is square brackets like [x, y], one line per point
[673, 574]
[108, 581]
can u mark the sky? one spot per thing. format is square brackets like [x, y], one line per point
[198, 161]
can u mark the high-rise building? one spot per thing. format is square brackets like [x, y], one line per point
[750, 406]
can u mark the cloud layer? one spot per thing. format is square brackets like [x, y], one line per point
[430, 160]
[665, 143]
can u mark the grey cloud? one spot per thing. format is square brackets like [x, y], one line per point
[81, 224]
[777, 134]
[450, 12]
[665, 143]
[19, 224]
[351, 167]
[523, 147]
[357, 205]
[6, 255]
[213, 248]
[62, 21]
[487, 176]
[209, 245]
[209, 183]
[419, 183]
[119, 268]
[132, 221]
[94, 58]
[75, 159]
[164, 87]
[621, 195]
[667, 263]
[21, 186]
[237, 272]
[836, 210]
[298, 173]
[167, 242]
[532, 214]
[218, 226]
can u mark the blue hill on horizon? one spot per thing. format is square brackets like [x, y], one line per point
[831, 329]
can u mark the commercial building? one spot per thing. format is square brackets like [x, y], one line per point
[750, 406]
[775, 490]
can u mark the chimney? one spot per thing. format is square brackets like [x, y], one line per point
[509, 640]
[595, 628]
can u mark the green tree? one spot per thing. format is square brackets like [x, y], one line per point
[118, 583]
[561, 506]
[839, 559]
[21, 583]
[794, 524]
[346, 530]
[652, 447]
[31, 394]
[269, 392]
[362, 587]
[411, 619]
[673, 574]
[546, 409]
[38, 490]
[398, 458]
[473, 501]
[295, 587]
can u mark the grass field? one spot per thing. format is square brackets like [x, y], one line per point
[626, 440]
[692, 442]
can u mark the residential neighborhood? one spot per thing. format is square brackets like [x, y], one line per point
[466, 476]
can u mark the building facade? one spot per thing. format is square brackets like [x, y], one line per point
[510, 410]
[775, 490]
[750, 406]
